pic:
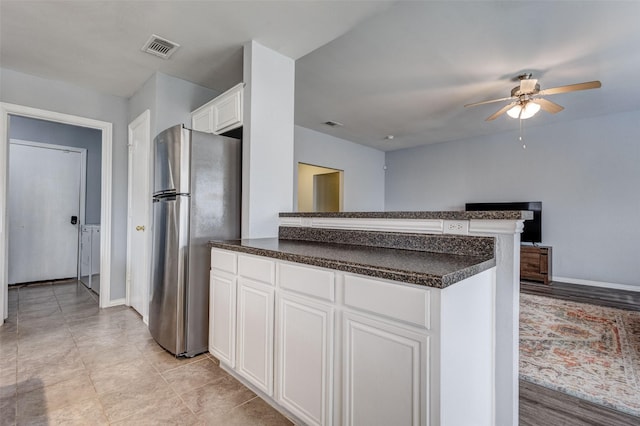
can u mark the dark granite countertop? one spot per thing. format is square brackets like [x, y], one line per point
[430, 269]
[445, 215]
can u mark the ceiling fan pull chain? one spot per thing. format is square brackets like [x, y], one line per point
[524, 146]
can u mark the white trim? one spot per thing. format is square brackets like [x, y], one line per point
[290, 221]
[421, 226]
[602, 284]
[106, 129]
[117, 302]
[496, 226]
[145, 120]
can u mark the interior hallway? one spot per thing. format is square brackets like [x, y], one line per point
[65, 361]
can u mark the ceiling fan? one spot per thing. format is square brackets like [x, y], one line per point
[526, 100]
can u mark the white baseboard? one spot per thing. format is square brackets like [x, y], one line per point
[116, 302]
[627, 287]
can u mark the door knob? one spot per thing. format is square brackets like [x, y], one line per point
[139, 228]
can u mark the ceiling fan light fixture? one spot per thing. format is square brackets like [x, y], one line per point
[528, 110]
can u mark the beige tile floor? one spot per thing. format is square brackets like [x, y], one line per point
[65, 361]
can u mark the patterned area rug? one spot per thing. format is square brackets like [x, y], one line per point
[591, 352]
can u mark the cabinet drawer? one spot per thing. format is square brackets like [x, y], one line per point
[256, 268]
[305, 280]
[223, 260]
[395, 301]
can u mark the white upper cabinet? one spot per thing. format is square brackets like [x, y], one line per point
[221, 114]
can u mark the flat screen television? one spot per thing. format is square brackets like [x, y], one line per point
[532, 232]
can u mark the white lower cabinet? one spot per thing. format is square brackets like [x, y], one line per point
[385, 373]
[222, 317]
[330, 347]
[304, 361]
[255, 333]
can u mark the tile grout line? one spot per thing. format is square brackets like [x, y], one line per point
[192, 389]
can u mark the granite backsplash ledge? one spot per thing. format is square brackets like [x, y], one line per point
[444, 215]
[450, 244]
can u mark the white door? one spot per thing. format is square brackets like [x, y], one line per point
[385, 373]
[138, 232]
[222, 317]
[44, 194]
[304, 373]
[255, 333]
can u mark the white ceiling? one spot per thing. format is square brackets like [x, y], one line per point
[381, 68]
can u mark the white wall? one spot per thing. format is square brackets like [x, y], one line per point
[24, 89]
[144, 99]
[267, 145]
[364, 176]
[585, 172]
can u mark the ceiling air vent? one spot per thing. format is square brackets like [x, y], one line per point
[333, 123]
[159, 46]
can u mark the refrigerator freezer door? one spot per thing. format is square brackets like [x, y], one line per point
[169, 272]
[172, 157]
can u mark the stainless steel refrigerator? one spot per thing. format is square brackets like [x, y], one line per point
[196, 198]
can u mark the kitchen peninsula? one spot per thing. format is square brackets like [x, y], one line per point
[373, 318]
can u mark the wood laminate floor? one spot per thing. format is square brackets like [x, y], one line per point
[540, 406]
[621, 299]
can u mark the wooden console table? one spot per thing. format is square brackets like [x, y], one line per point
[535, 263]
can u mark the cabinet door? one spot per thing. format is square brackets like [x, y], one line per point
[227, 110]
[304, 366]
[222, 317]
[385, 373]
[202, 119]
[255, 333]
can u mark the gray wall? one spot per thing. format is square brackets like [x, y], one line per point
[364, 177]
[170, 101]
[585, 172]
[34, 130]
[176, 98]
[24, 89]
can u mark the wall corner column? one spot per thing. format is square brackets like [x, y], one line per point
[268, 135]
[507, 319]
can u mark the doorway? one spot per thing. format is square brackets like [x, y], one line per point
[46, 207]
[139, 215]
[9, 110]
[319, 188]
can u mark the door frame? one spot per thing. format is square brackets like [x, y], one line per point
[106, 129]
[82, 189]
[143, 119]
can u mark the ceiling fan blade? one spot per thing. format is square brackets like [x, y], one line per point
[550, 107]
[571, 88]
[491, 101]
[500, 111]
